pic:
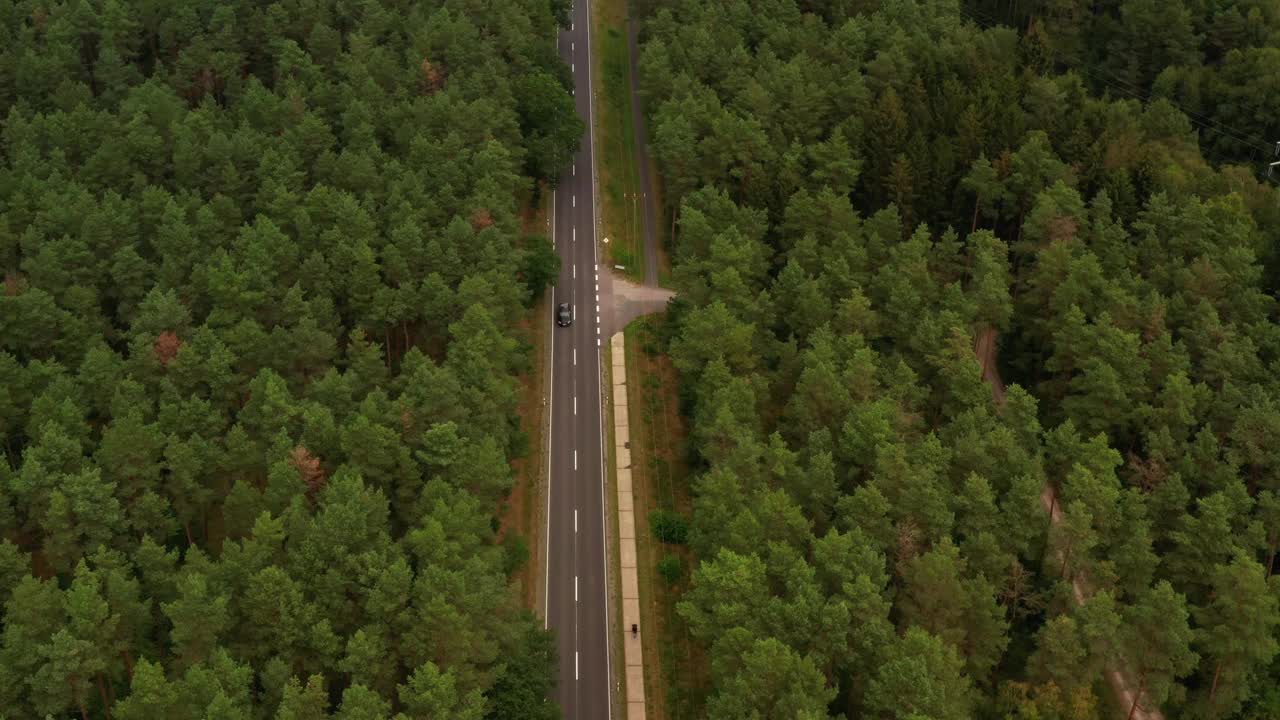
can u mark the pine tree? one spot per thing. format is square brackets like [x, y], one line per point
[1236, 632]
[1156, 640]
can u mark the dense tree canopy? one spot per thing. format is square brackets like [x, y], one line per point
[262, 267]
[865, 192]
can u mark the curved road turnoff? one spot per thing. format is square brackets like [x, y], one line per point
[576, 602]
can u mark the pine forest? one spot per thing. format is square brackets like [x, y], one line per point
[976, 335]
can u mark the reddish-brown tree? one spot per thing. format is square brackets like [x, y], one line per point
[166, 347]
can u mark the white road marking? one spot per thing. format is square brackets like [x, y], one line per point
[573, 170]
[597, 310]
[571, 46]
[597, 324]
[575, 272]
[575, 459]
[575, 404]
[575, 356]
[597, 287]
[573, 68]
[575, 588]
[575, 520]
[599, 417]
[595, 252]
[574, 199]
[575, 234]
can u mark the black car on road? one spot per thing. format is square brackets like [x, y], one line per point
[564, 315]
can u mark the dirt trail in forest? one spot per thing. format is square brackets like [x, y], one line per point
[985, 347]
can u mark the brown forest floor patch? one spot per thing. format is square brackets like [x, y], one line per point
[515, 516]
[521, 513]
[985, 348]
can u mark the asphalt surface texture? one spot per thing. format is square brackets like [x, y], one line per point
[576, 573]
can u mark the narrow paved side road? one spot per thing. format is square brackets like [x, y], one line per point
[985, 347]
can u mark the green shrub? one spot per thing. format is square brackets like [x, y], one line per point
[515, 553]
[670, 570]
[669, 527]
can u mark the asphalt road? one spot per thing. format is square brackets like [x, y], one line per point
[576, 602]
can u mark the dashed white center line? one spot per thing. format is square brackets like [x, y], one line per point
[575, 588]
[575, 520]
[575, 459]
[574, 200]
[572, 68]
[571, 45]
[575, 404]
[575, 356]
[575, 272]
[575, 664]
[575, 234]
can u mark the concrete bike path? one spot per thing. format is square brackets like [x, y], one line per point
[632, 642]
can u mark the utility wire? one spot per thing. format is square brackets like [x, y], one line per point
[1240, 136]
[983, 19]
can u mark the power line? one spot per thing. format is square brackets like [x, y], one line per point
[1222, 129]
[1126, 88]
[1207, 152]
[1239, 135]
[983, 19]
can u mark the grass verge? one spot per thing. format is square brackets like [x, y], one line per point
[660, 481]
[662, 236]
[615, 139]
[523, 515]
